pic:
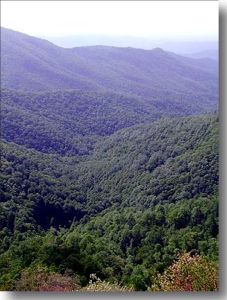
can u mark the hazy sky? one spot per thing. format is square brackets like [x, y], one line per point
[151, 19]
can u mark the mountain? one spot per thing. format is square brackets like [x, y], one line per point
[213, 54]
[178, 46]
[109, 165]
[32, 64]
[68, 122]
[140, 167]
[124, 212]
[104, 40]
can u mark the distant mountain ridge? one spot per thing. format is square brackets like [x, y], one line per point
[33, 64]
[178, 46]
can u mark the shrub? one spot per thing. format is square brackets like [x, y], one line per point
[103, 286]
[97, 285]
[188, 273]
[41, 279]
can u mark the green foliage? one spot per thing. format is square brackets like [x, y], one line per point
[107, 178]
[68, 122]
[129, 253]
[40, 191]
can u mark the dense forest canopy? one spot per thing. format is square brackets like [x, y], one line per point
[149, 191]
[109, 166]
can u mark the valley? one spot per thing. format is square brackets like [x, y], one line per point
[109, 163]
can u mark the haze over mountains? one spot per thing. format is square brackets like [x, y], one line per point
[208, 49]
[109, 161]
[112, 87]
[159, 77]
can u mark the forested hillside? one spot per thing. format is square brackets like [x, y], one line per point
[69, 122]
[129, 175]
[109, 168]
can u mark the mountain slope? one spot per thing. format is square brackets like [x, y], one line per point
[135, 167]
[33, 64]
[68, 122]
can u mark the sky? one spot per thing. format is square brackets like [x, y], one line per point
[148, 19]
